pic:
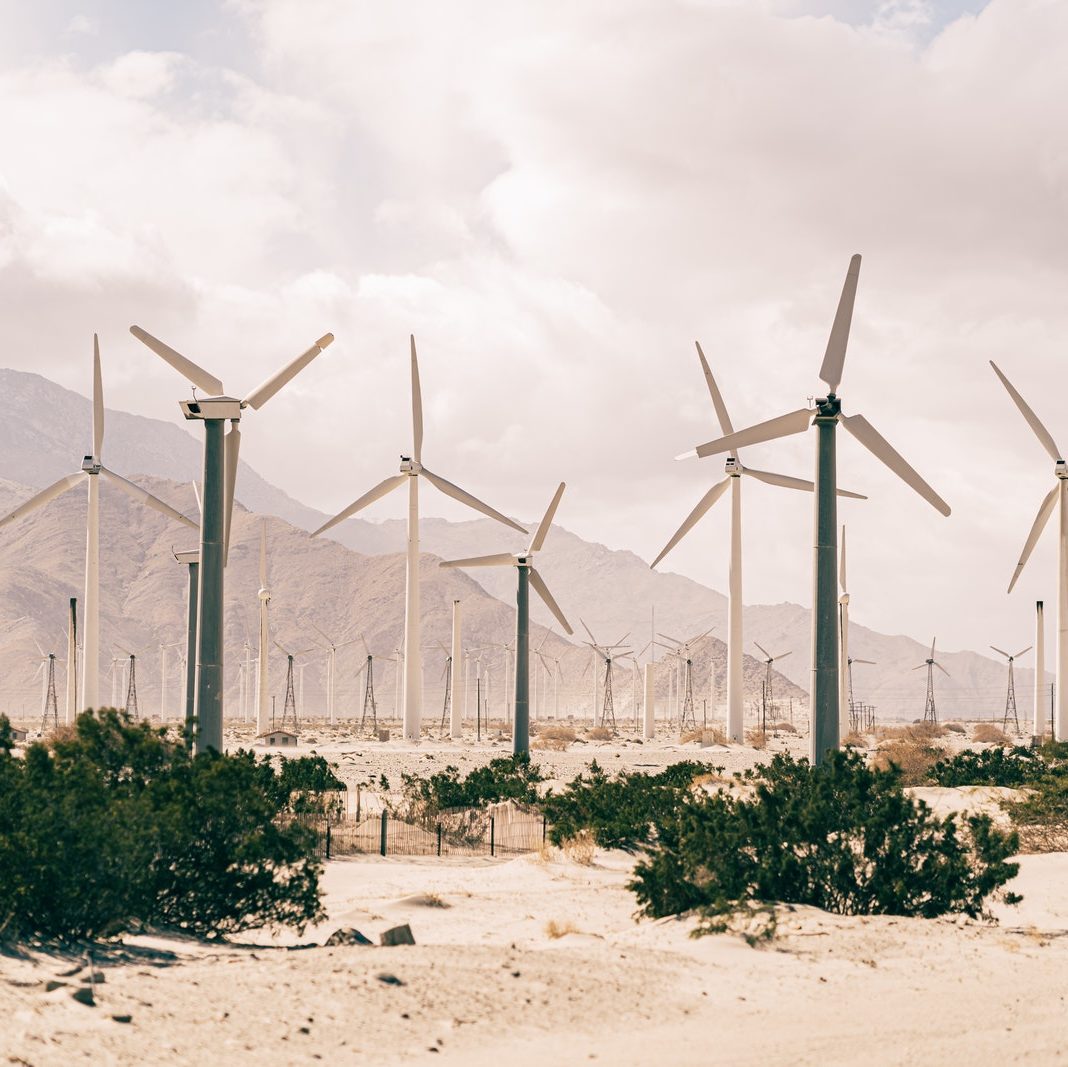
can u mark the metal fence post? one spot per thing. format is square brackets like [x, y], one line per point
[544, 829]
[439, 839]
[385, 820]
[493, 826]
[328, 840]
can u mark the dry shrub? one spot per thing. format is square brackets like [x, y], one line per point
[556, 733]
[920, 731]
[782, 728]
[854, 740]
[989, 734]
[580, 848]
[551, 744]
[955, 728]
[690, 735]
[546, 854]
[757, 739]
[913, 758]
[557, 930]
[715, 736]
[600, 733]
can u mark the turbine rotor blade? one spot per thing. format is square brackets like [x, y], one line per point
[1045, 509]
[767, 654]
[782, 426]
[259, 396]
[547, 520]
[725, 423]
[834, 357]
[143, 496]
[869, 662]
[782, 655]
[695, 516]
[185, 367]
[501, 559]
[943, 670]
[542, 590]
[879, 447]
[466, 498]
[417, 406]
[1019, 654]
[588, 631]
[379, 491]
[98, 402]
[1044, 436]
[43, 497]
[1000, 652]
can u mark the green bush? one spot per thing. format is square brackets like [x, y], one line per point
[1041, 816]
[991, 766]
[309, 785]
[620, 812]
[507, 778]
[841, 837]
[114, 826]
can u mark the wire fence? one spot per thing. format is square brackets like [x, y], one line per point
[464, 832]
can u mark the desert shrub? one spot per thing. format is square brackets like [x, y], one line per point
[919, 731]
[549, 744]
[912, 759]
[600, 733]
[989, 734]
[841, 837]
[757, 739]
[309, 785]
[580, 848]
[782, 728]
[556, 733]
[507, 778]
[1041, 817]
[853, 739]
[619, 812]
[955, 728]
[991, 766]
[114, 826]
[705, 736]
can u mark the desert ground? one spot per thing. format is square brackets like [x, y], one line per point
[540, 959]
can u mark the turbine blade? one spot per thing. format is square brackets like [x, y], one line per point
[1045, 509]
[196, 494]
[543, 527]
[1000, 652]
[1019, 654]
[231, 453]
[782, 426]
[668, 637]
[263, 554]
[379, 491]
[694, 517]
[725, 423]
[98, 401]
[501, 559]
[933, 640]
[842, 563]
[44, 496]
[943, 670]
[258, 397]
[588, 631]
[782, 655]
[834, 357]
[879, 447]
[542, 590]
[417, 406]
[767, 654]
[143, 496]
[869, 662]
[1044, 436]
[466, 498]
[185, 367]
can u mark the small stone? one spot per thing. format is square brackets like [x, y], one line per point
[84, 995]
[52, 986]
[122, 1018]
[397, 935]
[95, 979]
[389, 979]
[347, 935]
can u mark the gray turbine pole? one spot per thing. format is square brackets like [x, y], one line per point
[191, 559]
[209, 687]
[825, 591]
[521, 730]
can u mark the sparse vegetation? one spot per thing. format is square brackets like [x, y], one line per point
[955, 728]
[600, 733]
[841, 837]
[986, 733]
[706, 736]
[919, 731]
[992, 766]
[757, 739]
[556, 930]
[507, 778]
[853, 739]
[912, 759]
[782, 728]
[580, 848]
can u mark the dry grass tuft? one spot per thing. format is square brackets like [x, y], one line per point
[546, 854]
[988, 733]
[913, 758]
[556, 733]
[580, 848]
[600, 733]
[854, 740]
[557, 930]
[955, 728]
[715, 736]
[920, 731]
[551, 744]
[757, 739]
[782, 728]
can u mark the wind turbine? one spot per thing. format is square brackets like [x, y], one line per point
[769, 660]
[1010, 695]
[930, 712]
[1056, 497]
[734, 471]
[411, 469]
[682, 653]
[331, 675]
[826, 416]
[608, 654]
[527, 576]
[217, 505]
[263, 716]
[856, 720]
[289, 704]
[92, 469]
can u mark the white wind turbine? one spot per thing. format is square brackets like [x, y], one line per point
[1056, 497]
[527, 576]
[825, 416]
[331, 669]
[263, 715]
[411, 469]
[92, 469]
[733, 481]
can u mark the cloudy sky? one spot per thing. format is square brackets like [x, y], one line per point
[558, 199]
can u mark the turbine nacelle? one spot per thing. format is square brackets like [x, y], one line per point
[410, 466]
[1060, 469]
[212, 407]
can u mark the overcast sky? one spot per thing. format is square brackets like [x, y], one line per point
[558, 199]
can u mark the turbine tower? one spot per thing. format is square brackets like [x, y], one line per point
[92, 470]
[733, 481]
[930, 712]
[769, 661]
[1010, 695]
[263, 714]
[855, 717]
[844, 681]
[289, 705]
[608, 654]
[411, 469]
[826, 416]
[369, 704]
[1056, 497]
[331, 671]
[682, 653]
[132, 708]
[220, 475]
[526, 576]
[50, 710]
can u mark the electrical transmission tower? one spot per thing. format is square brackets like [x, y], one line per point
[369, 696]
[1010, 695]
[687, 715]
[608, 712]
[131, 689]
[930, 712]
[51, 704]
[289, 705]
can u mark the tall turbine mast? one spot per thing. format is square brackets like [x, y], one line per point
[930, 712]
[1010, 695]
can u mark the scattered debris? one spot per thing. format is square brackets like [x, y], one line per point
[347, 935]
[397, 935]
[84, 995]
[389, 979]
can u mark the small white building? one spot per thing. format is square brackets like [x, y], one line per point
[278, 739]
